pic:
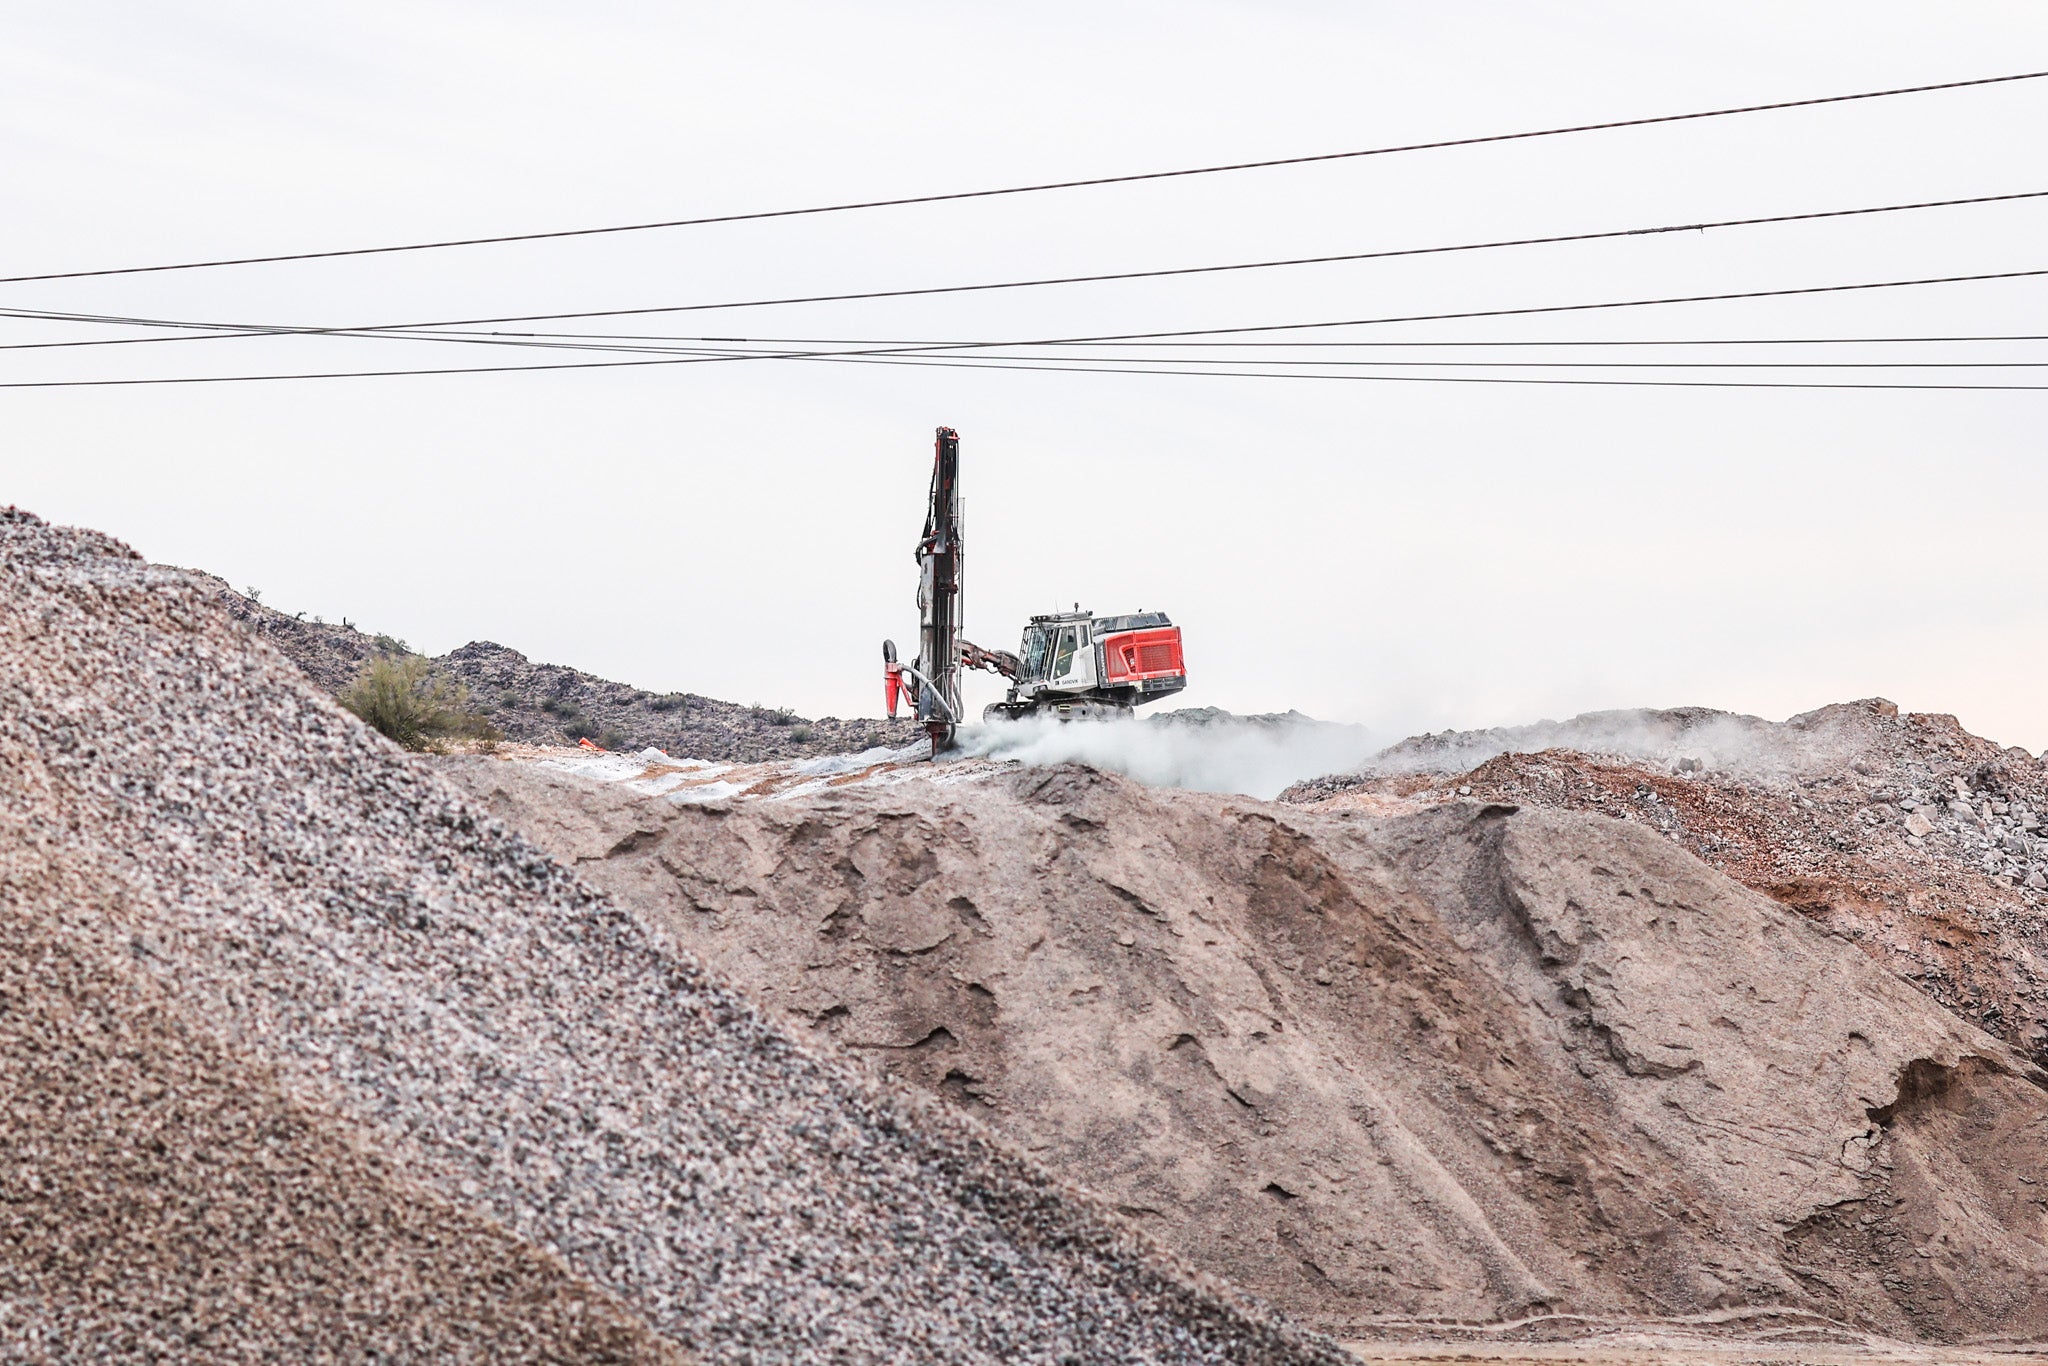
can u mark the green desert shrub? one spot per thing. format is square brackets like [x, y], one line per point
[404, 698]
[611, 737]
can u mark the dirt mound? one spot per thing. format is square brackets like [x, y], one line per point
[302, 1059]
[1464, 1063]
[1920, 842]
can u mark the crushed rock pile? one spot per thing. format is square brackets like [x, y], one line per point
[301, 1058]
[1923, 844]
[1396, 1074]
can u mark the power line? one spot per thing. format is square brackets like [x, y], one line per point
[930, 290]
[1031, 189]
[217, 330]
[210, 331]
[1374, 342]
[1077, 361]
[1143, 365]
[725, 347]
[1440, 379]
[906, 351]
[1009, 350]
[603, 341]
[1387, 319]
[1012, 350]
[1044, 367]
[351, 374]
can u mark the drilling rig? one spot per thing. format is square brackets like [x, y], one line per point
[1071, 665]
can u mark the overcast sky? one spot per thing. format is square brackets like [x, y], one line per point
[1406, 555]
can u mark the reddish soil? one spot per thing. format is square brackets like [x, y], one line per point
[1816, 813]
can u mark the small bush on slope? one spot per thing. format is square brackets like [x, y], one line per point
[403, 698]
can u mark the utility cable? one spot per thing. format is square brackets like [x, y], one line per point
[1442, 379]
[928, 291]
[1386, 319]
[1043, 368]
[910, 351]
[663, 344]
[388, 329]
[1455, 379]
[1011, 350]
[1517, 364]
[1373, 342]
[958, 195]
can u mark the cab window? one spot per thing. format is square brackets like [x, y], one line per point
[1063, 658]
[1035, 643]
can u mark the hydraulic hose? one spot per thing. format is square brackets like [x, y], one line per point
[931, 689]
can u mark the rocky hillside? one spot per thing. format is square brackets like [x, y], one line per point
[302, 1058]
[552, 704]
[1462, 1062]
[1918, 842]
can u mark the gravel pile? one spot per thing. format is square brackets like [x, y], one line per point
[301, 1058]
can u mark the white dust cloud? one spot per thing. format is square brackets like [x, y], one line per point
[1256, 756]
[1685, 736]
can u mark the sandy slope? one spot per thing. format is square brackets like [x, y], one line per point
[1460, 1063]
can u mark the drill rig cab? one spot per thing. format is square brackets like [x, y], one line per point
[1076, 664]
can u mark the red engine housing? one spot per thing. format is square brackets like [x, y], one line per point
[1138, 657]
